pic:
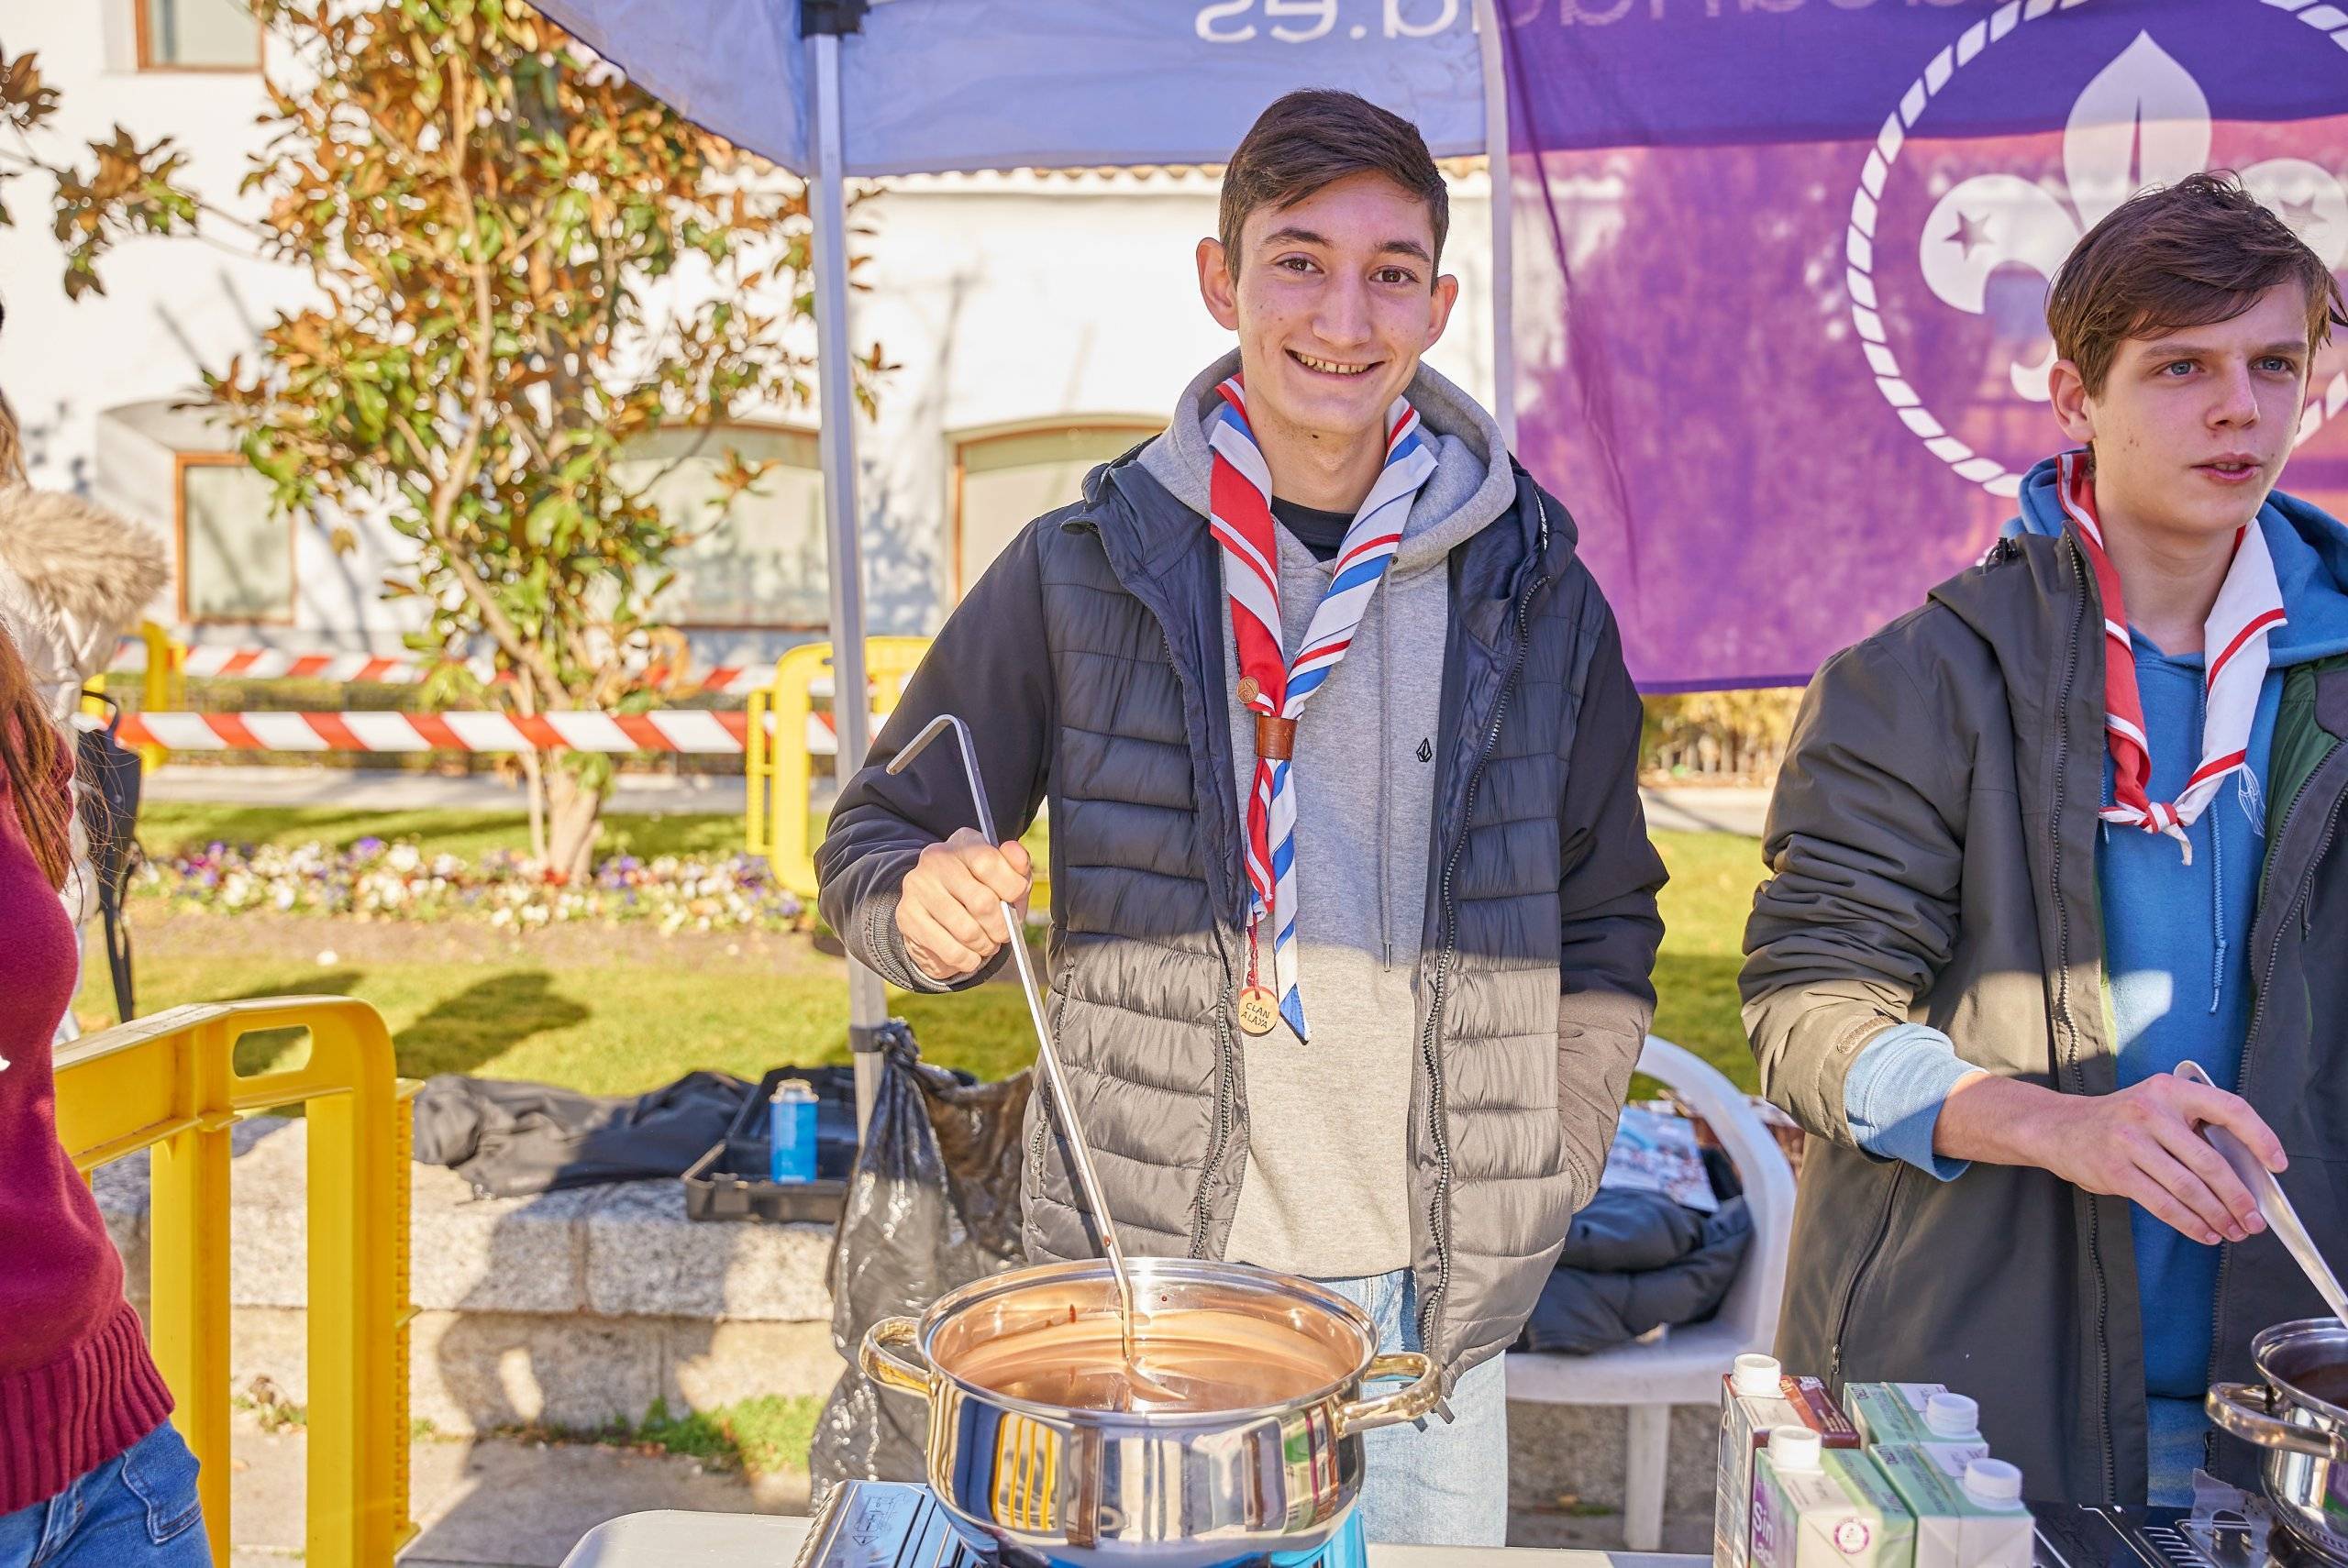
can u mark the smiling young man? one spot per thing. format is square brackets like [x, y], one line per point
[2069, 826]
[1353, 905]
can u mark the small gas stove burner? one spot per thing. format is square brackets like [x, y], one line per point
[2227, 1528]
[891, 1524]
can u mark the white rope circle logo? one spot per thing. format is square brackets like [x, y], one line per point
[2142, 105]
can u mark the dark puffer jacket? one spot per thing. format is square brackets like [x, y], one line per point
[1088, 662]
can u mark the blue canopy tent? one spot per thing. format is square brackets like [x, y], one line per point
[836, 90]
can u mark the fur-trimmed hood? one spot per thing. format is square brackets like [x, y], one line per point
[75, 555]
[74, 577]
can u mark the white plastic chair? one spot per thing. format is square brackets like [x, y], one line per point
[1683, 1367]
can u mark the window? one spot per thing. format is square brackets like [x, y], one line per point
[1007, 476]
[198, 35]
[235, 552]
[756, 560]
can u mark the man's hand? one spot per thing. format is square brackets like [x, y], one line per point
[949, 911]
[2139, 1143]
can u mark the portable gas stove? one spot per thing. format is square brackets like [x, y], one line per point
[2227, 1527]
[894, 1524]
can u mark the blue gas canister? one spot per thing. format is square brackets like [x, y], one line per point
[791, 1130]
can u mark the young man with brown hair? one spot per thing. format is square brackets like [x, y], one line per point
[2067, 827]
[1353, 906]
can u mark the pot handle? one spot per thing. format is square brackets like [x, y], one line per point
[1406, 1404]
[890, 1370]
[2246, 1409]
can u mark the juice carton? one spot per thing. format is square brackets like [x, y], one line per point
[1756, 1399]
[1911, 1412]
[1816, 1508]
[1968, 1508]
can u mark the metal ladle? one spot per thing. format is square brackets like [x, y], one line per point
[1063, 1103]
[2274, 1206]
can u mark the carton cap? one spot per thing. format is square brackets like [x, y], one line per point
[794, 1090]
[1952, 1415]
[1755, 1375]
[1993, 1482]
[1795, 1447]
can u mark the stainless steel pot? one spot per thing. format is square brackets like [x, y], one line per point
[2291, 1412]
[1164, 1489]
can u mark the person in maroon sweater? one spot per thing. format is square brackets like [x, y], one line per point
[92, 1472]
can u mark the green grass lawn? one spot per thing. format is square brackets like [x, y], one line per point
[642, 1011]
[168, 826]
[1713, 879]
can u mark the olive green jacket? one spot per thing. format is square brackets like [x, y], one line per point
[1931, 850]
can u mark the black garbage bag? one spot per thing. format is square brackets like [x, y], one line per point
[933, 1204]
[109, 774]
[511, 1139]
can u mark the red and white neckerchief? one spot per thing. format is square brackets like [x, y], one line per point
[2233, 639]
[1273, 689]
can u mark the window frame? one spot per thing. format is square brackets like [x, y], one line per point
[821, 627]
[146, 63]
[959, 443]
[181, 462]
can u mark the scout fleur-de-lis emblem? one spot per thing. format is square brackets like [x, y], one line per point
[2143, 120]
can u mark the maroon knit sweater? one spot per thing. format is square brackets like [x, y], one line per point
[77, 1386]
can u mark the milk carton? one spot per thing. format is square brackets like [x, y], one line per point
[1755, 1398]
[1968, 1508]
[1816, 1508]
[1910, 1412]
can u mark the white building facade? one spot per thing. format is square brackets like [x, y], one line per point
[1039, 322]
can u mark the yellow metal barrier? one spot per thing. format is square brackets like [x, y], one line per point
[169, 1083]
[777, 760]
[164, 686]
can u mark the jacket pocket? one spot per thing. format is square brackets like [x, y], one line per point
[160, 1472]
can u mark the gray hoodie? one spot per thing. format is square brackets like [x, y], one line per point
[1327, 1184]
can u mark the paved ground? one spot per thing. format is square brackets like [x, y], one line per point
[490, 1503]
[504, 1503]
[1721, 809]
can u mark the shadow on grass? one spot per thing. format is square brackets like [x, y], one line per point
[274, 1050]
[483, 1021]
[463, 1033]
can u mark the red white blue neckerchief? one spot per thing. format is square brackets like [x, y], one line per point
[1272, 687]
[2233, 639]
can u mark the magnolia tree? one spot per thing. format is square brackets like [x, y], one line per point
[523, 262]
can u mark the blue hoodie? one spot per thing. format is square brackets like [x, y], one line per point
[2177, 943]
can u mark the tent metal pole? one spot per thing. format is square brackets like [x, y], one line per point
[1503, 186]
[868, 1001]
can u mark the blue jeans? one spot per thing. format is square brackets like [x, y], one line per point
[137, 1510]
[1433, 1482]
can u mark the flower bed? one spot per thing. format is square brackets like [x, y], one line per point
[376, 880]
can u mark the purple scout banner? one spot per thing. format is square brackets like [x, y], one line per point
[1781, 265]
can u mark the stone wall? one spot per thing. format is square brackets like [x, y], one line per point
[571, 1309]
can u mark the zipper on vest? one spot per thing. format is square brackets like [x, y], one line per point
[1044, 1088]
[1439, 1207]
[2301, 898]
[2063, 1012]
[1226, 1049]
[1222, 1096]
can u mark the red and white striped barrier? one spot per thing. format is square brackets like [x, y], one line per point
[673, 728]
[396, 669]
